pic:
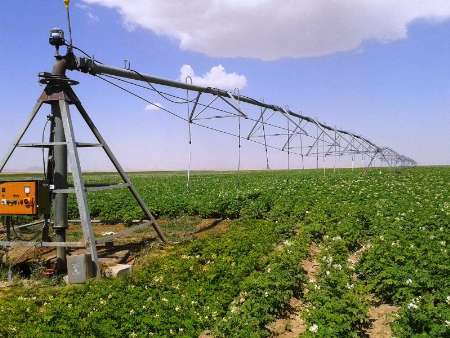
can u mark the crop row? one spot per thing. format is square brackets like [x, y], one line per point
[237, 283]
[182, 293]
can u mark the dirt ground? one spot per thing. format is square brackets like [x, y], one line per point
[291, 325]
[137, 247]
[381, 317]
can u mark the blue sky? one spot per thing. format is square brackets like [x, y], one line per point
[396, 92]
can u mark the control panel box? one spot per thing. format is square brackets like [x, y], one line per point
[24, 198]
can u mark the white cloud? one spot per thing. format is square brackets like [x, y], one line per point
[271, 29]
[216, 77]
[88, 11]
[93, 17]
[154, 107]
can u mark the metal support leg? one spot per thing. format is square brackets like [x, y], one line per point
[118, 167]
[60, 182]
[78, 183]
[49, 178]
[22, 132]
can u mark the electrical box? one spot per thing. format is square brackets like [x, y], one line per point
[24, 198]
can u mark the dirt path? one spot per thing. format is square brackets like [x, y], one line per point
[292, 324]
[211, 227]
[380, 316]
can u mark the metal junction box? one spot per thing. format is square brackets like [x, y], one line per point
[24, 198]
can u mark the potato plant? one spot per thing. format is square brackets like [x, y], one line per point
[236, 283]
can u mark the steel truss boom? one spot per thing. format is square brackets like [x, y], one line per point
[337, 141]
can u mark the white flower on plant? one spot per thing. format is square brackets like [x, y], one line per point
[409, 281]
[442, 243]
[447, 323]
[448, 299]
[133, 334]
[337, 266]
[177, 308]
[164, 300]
[327, 273]
[131, 312]
[314, 328]
[412, 306]
[337, 238]
[350, 286]
[266, 294]
[158, 279]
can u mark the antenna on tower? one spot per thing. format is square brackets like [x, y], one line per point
[66, 4]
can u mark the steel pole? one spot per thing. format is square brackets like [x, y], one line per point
[60, 182]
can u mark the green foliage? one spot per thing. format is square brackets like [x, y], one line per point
[338, 307]
[236, 283]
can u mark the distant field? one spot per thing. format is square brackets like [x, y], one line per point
[374, 238]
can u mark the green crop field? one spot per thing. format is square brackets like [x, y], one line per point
[236, 283]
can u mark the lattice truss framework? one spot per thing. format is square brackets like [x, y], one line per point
[271, 126]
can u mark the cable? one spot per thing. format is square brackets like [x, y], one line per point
[43, 150]
[140, 97]
[159, 92]
[180, 117]
[193, 122]
[199, 103]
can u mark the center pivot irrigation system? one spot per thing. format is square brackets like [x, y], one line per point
[226, 112]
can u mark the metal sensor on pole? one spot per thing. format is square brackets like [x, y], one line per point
[56, 38]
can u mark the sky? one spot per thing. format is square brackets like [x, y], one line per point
[380, 68]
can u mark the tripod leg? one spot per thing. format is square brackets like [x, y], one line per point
[80, 190]
[22, 132]
[49, 178]
[118, 167]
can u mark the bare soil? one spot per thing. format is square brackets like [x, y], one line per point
[218, 227]
[142, 243]
[381, 317]
[291, 325]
